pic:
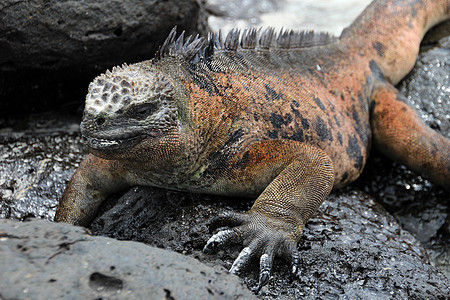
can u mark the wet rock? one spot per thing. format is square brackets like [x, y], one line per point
[353, 248]
[51, 50]
[41, 260]
[38, 154]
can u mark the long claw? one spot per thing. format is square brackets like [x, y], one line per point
[265, 266]
[291, 254]
[221, 238]
[241, 261]
[294, 262]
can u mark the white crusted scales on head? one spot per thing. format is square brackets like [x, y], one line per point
[116, 89]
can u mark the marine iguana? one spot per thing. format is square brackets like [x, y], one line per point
[281, 117]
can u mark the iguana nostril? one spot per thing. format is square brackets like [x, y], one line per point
[100, 121]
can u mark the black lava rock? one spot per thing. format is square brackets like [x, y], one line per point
[51, 50]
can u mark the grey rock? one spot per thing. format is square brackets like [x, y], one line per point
[55, 34]
[41, 260]
[52, 49]
[352, 249]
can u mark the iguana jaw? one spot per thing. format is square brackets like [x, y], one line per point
[117, 138]
[102, 144]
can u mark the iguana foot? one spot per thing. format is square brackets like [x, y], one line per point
[262, 236]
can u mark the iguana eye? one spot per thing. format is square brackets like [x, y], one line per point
[143, 111]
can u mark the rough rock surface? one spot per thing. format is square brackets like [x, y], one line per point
[353, 248]
[41, 260]
[38, 154]
[51, 50]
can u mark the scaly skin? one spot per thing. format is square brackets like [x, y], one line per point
[281, 121]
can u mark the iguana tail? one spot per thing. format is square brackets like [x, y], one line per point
[390, 31]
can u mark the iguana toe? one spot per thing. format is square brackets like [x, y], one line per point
[221, 238]
[243, 260]
[265, 269]
[229, 218]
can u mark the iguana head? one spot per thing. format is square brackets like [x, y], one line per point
[138, 111]
[129, 107]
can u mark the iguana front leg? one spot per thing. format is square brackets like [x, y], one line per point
[95, 179]
[274, 224]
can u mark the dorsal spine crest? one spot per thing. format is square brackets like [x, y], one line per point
[193, 48]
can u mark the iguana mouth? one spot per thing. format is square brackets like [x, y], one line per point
[103, 144]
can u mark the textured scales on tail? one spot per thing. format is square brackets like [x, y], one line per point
[284, 118]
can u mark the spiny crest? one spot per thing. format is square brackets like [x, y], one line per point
[180, 47]
[124, 85]
[194, 48]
